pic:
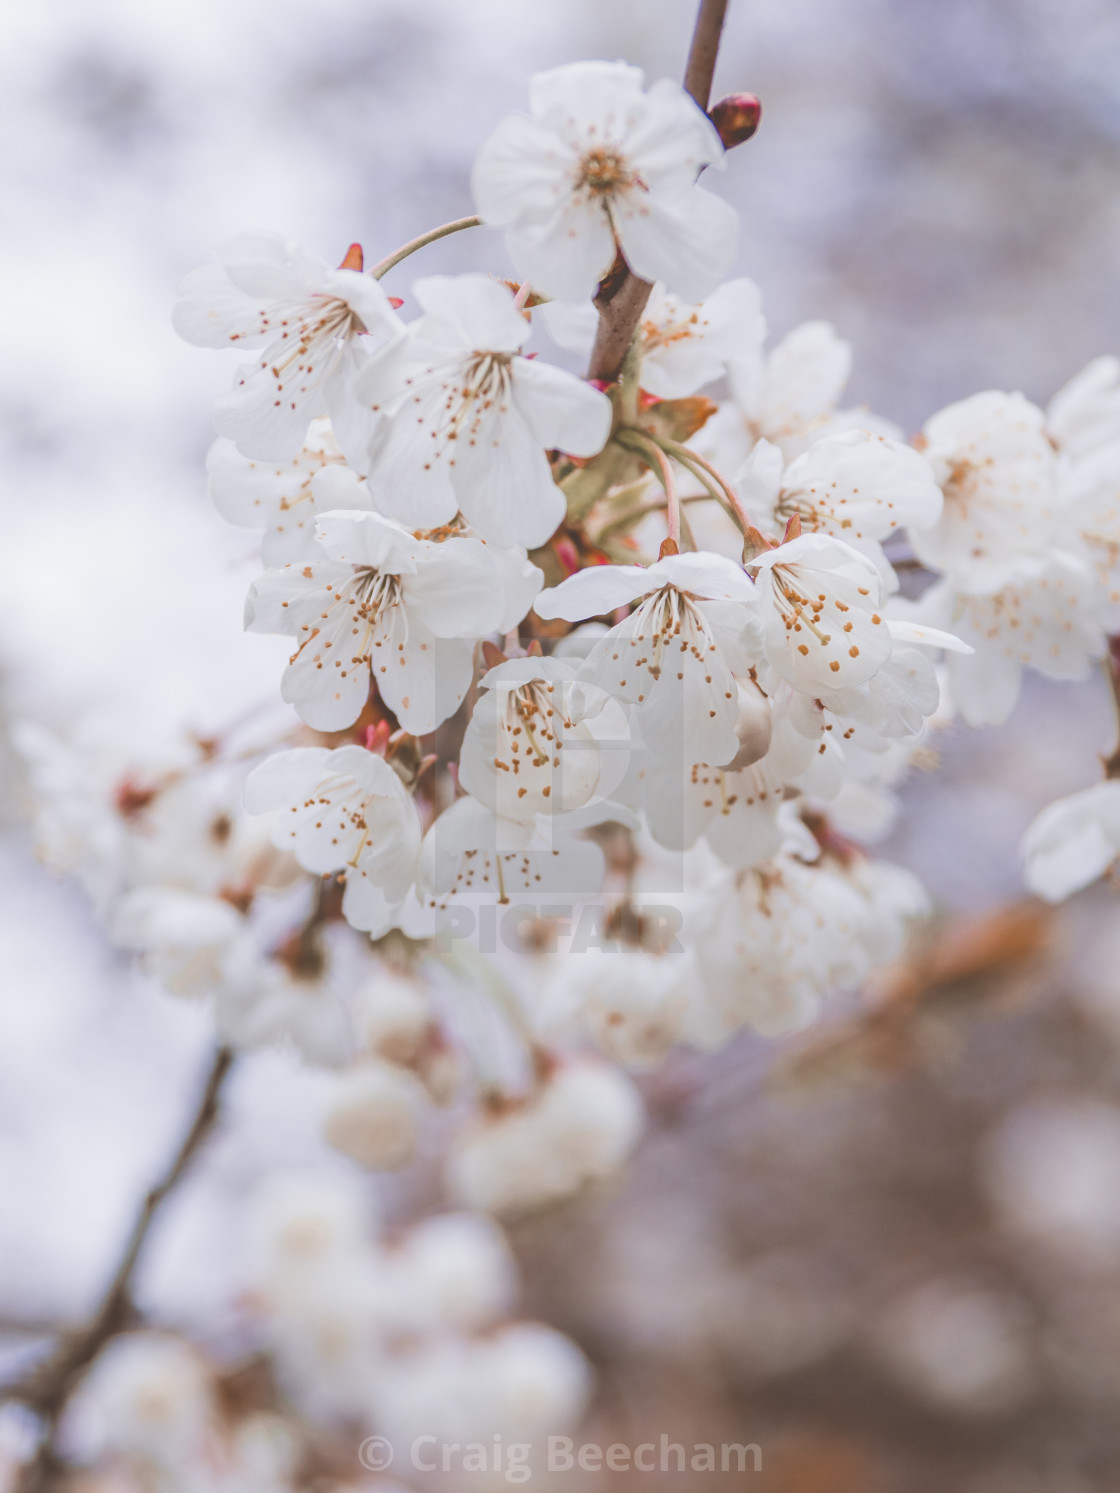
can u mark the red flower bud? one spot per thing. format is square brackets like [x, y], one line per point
[736, 118]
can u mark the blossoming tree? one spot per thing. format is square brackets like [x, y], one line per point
[600, 689]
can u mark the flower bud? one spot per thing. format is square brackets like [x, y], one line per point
[736, 118]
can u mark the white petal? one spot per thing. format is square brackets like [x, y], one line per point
[477, 311]
[519, 169]
[567, 253]
[562, 411]
[705, 574]
[594, 592]
[927, 637]
[672, 140]
[425, 681]
[455, 589]
[686, 239]
[355, 537]
[504, 484]
[579, 97]
[210, 312]
[521, 585]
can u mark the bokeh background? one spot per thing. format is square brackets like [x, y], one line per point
[889, 1253]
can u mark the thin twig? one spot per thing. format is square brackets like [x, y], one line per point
[1112, 674]
[385, 265]
[50, 1385]
[620, 307]
[713, 480]
[650, 452]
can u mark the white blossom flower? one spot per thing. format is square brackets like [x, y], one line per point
[531, 1379]
[738, 812]
[773, 941]
[825, 629]
[789, 394]
[150, 1395]
[521, 1382]
[1048, 619]
[316, 326]
[184, 937]
[343, 810]
[1073, 841]
[460, 1270]
[301, 1223]
[405, 611]
[373, 1114]
[998, 472]
[632, 1002]
[472, 853]
[673, 657]
[578, 1127]
[284, 498]
[600, 167]
[295, 995]
[393, 1016]
[857, 486]
[540, 741]
[1084, 415]
[467, 420]
[123, 808]
[682, 346]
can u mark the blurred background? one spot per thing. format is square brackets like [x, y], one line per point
[890, 1254]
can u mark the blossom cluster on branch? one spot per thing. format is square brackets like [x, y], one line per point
[600, 692]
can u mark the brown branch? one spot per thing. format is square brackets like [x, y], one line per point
[49, 1386]
[702, 53]
[622, 298]
[1111, 763]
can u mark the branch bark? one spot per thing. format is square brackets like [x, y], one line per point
[621, 301]
[49, 1386]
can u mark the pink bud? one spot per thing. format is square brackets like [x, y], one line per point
[736, 118]
[353, 259]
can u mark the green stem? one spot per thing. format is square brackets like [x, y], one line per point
[385, 265]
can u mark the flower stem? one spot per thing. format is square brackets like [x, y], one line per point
[647, 448]
[689, 458]
[385, 265]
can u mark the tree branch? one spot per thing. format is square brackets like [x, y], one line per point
[622, 300]
[702, 54]
[49, 1386]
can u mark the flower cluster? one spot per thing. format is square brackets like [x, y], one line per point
[598, 693]
[413, 1336]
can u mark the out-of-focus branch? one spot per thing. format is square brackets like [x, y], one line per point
[49, 1386]
[622, 298]
[1112, 671]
